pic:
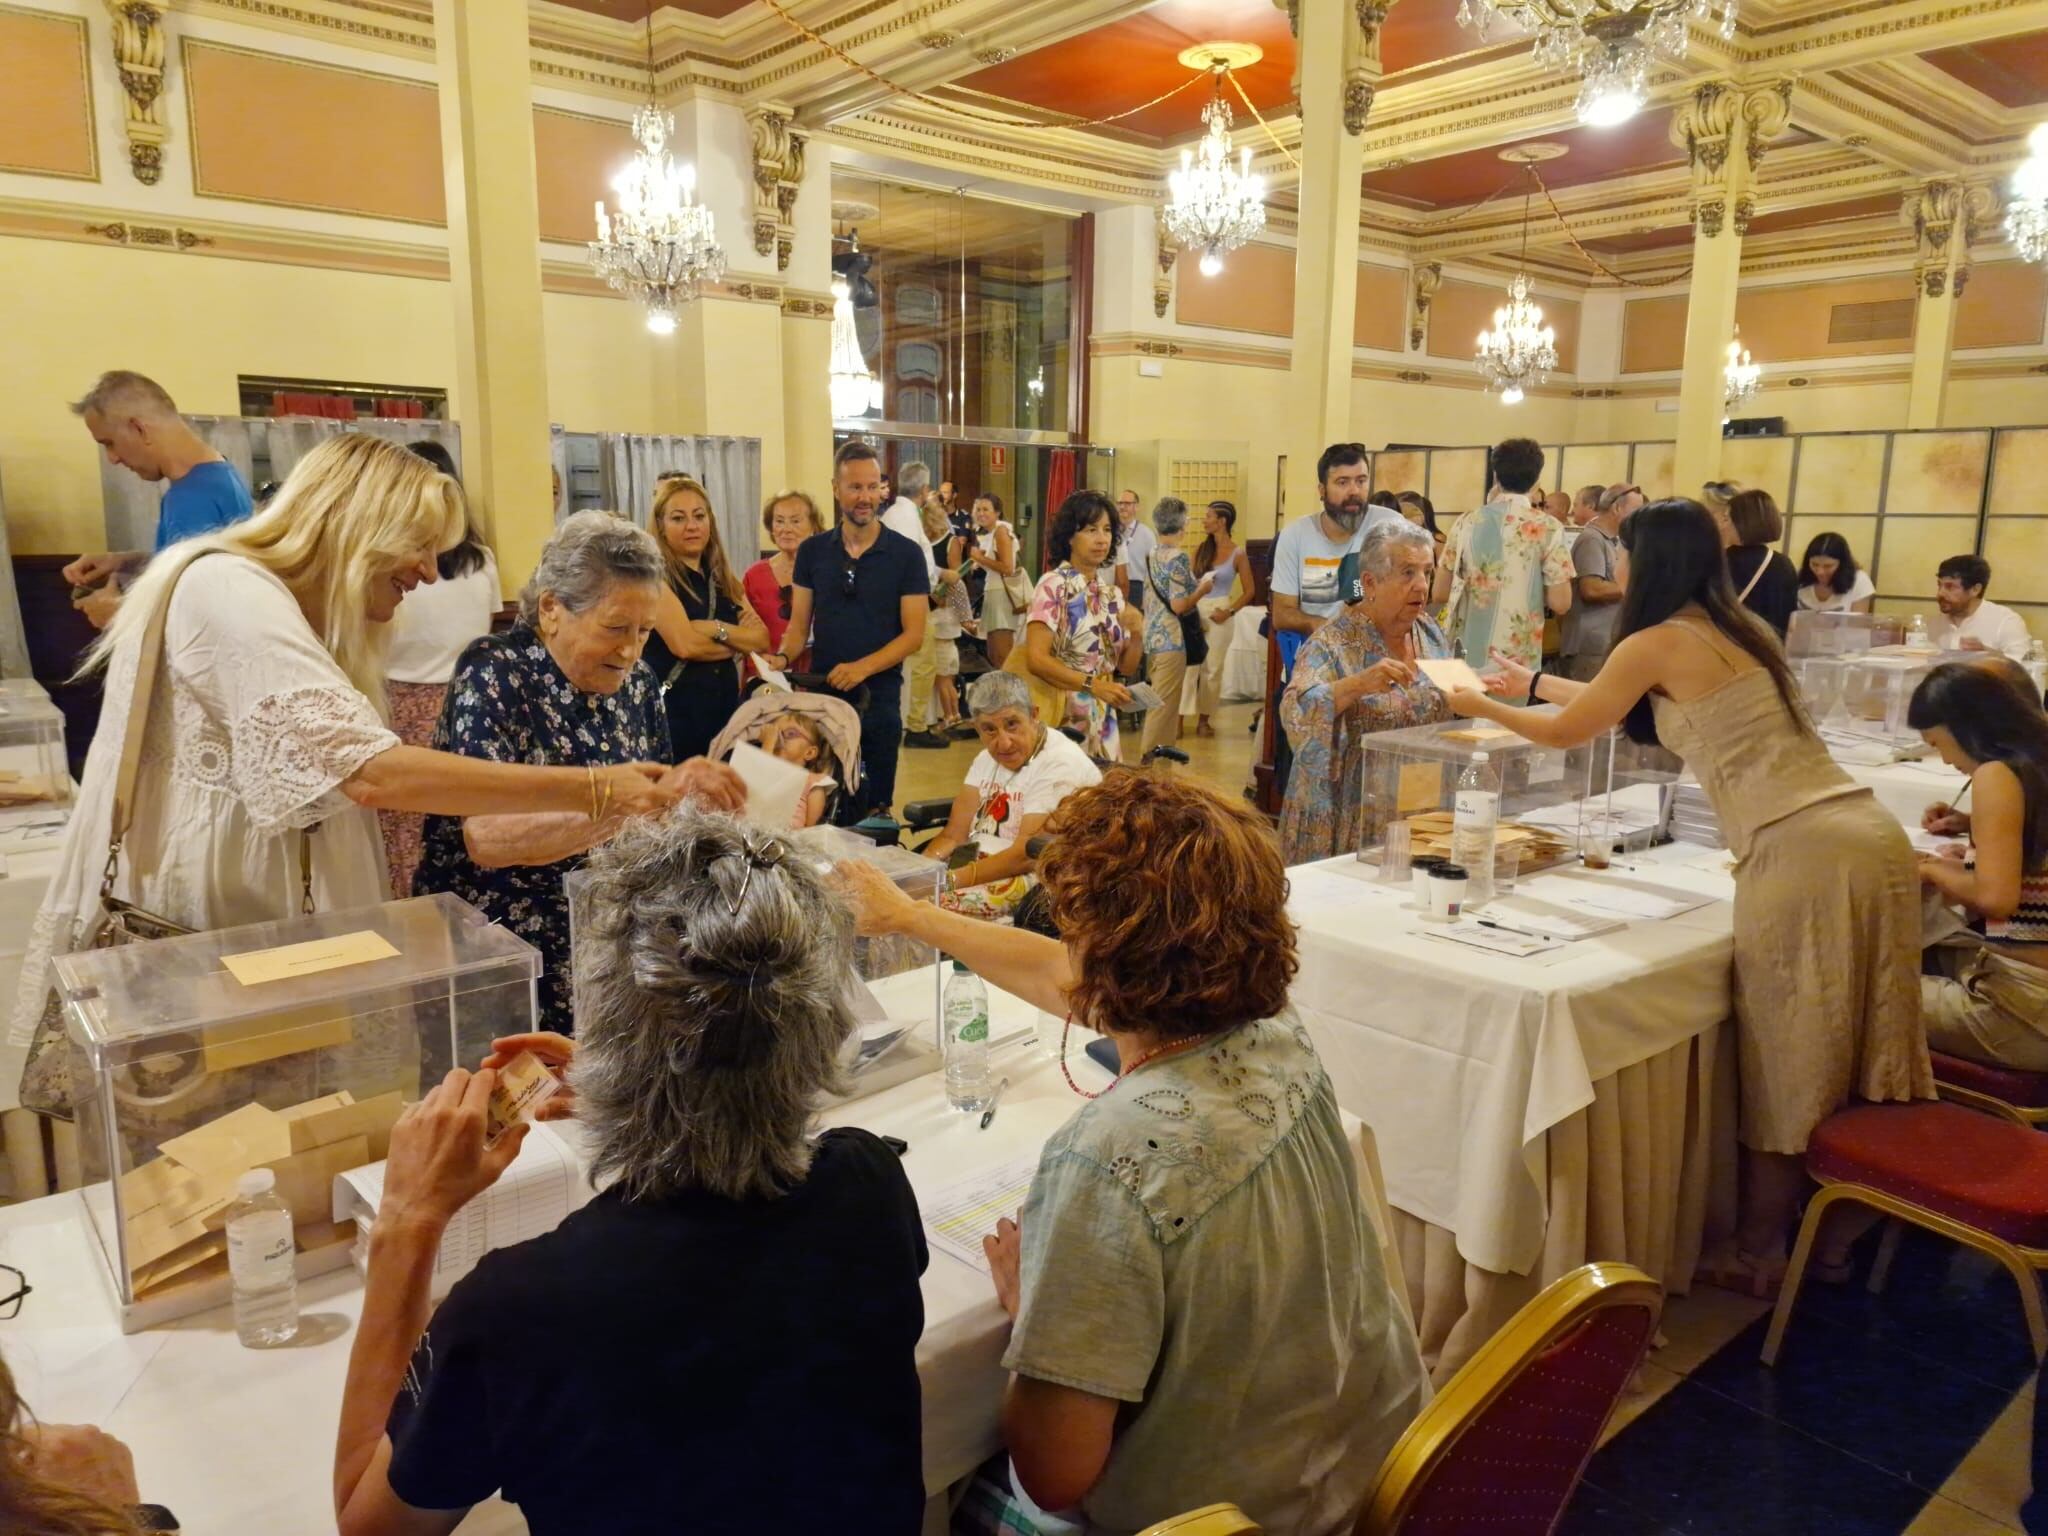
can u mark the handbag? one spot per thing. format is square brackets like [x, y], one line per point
[1018, 586]
[46, 1085]
[1193, 633]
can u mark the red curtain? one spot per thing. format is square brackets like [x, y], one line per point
[401, 410]
[339, 407]
[1059, 485]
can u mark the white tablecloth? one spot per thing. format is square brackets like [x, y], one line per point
[238, 1441]
[1907, 789]
[1244, 664]
[1461, 1060]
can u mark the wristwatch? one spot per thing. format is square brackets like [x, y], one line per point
[718, 634]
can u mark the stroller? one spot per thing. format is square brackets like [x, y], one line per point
[837, 722]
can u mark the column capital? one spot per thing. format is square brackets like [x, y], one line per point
[778, 173]
[1724, 129]
[1362, 62]
[1423, 283]
[1167, 255]
[1949, 217]
[139, 49]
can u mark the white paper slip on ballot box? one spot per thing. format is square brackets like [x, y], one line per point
[1612, 896]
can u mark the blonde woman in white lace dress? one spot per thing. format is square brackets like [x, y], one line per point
[262, 720]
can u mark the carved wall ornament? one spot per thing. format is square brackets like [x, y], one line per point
[1934, 281]
[995, 56]
[778, 173]
[1423, 284]
[1707, 216]
[1372, 15]
[1157, 348]
[1167, 255]
[939, 42]
[159, 236]
[1358, 96]
[1745, 210]
[1412, 376]
[139, 47]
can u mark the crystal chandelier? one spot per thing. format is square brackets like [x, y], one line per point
[1212, 205]
[855, 391]
[1740, 377]
[661, 244]
[2026, 211]
[1609, 42]
[1520, 349]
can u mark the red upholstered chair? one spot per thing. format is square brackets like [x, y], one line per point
[2018, 1096]
[1979, 1180]
[1502, 1447]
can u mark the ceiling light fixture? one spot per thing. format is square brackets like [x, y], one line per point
[1740, 376]
[2026, 211]
[1610, 43]
[1520, 349]
[1212, 205]
[855, 390]
[661, 245]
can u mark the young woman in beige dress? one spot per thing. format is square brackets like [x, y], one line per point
[1827, 909]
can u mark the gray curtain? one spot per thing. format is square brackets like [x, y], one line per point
[13, 639]
[729, 467]
[291, 438]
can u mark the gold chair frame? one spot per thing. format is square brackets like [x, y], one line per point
[1992, 1104]
[1209, 1520]
[1563, 1306]
[2024, 1264]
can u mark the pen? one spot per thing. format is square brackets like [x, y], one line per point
[1527, 933]
[993, 1100]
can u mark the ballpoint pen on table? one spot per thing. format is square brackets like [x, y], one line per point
[1527, 933]
[993, 1100]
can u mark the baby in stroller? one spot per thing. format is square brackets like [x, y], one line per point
[814, 731]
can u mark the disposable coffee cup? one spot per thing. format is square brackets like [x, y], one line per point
[1419, 872]
[1447, 884]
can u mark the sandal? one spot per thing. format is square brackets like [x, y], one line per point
[1744, 1274]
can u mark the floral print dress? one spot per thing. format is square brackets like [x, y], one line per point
[509, 703]
[1325, 811]
[1503, 556]
[1086, 617]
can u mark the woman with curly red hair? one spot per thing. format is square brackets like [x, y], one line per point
[1201, 1311]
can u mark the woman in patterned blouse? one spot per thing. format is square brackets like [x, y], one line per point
[565, 685]
[1077, 641]
[1357, 674]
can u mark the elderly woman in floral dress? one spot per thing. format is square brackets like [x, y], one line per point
[1077, 640]
[1355, 675]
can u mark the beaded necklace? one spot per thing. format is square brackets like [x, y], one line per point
[1172, 1047]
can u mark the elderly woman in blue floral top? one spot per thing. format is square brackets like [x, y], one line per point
[564, 686]
[1355, 675]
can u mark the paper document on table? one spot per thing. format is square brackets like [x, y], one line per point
[1935, 842]
[959, 1216]
[1549, 920]
[1617, 898]
[543, 1185]
[773, 786]
[1496, 940]
[1450, 672]
[1145, 696]
[772, 676]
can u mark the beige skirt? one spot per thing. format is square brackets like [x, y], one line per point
[1827, 970]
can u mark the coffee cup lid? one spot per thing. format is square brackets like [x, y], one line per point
[1449, 872]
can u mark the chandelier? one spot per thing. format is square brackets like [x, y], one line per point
[1610, 43]
[2026, 211]
[661, 244]
[855, 391]
[1740, 377]
[1520, 349]
[1212, 205]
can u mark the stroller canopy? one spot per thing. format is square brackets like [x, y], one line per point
[835, 717]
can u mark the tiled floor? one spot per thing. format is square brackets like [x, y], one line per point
[1910, 1412]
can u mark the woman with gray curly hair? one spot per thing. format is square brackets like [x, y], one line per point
[739, 1295]
[1171, 593]
[565, 685]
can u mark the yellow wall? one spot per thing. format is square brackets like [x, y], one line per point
[194, 323]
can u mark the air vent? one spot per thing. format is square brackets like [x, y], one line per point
[1886, 320]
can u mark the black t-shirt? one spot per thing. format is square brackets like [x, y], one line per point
[1776, 593]
[695, 1364]
[846, 626]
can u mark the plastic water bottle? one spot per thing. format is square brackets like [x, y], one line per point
[2036, 664]
[260, 1262]
[965, 1012]
[1474, 817]
[1916, 635]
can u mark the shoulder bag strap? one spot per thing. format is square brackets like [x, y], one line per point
[148, 658]
[1754, 577]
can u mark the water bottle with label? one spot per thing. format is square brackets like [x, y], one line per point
[260, 1262]
[965, 1015]
[1475, 815]
[1916, 634]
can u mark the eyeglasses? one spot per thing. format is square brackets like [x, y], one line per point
[14, 1287]
[851, 569]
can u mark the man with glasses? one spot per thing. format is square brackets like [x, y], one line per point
[1134, 547]
[860, 594]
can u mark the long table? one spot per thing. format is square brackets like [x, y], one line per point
[236, 1440]
[1532, 1113]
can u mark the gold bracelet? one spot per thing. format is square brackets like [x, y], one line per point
[604, 806]
[590, 772]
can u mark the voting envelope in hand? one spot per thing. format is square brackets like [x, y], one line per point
[524, 1084]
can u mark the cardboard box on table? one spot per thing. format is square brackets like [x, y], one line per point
[289, 1045]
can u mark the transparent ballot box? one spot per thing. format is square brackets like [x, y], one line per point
[34, 774]
[289, 1045]
[1841, 634]
[896, 983]
[1877, 687]
[1609, 792]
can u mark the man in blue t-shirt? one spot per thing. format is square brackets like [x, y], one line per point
[135, 421]
[860, 593]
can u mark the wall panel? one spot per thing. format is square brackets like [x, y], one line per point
[46, 125]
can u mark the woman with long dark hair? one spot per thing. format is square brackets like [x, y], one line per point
[1827, 910]
[1231, 586]
[1829, 579]
[705, 623]
[1987, 998]
[1076, 638]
